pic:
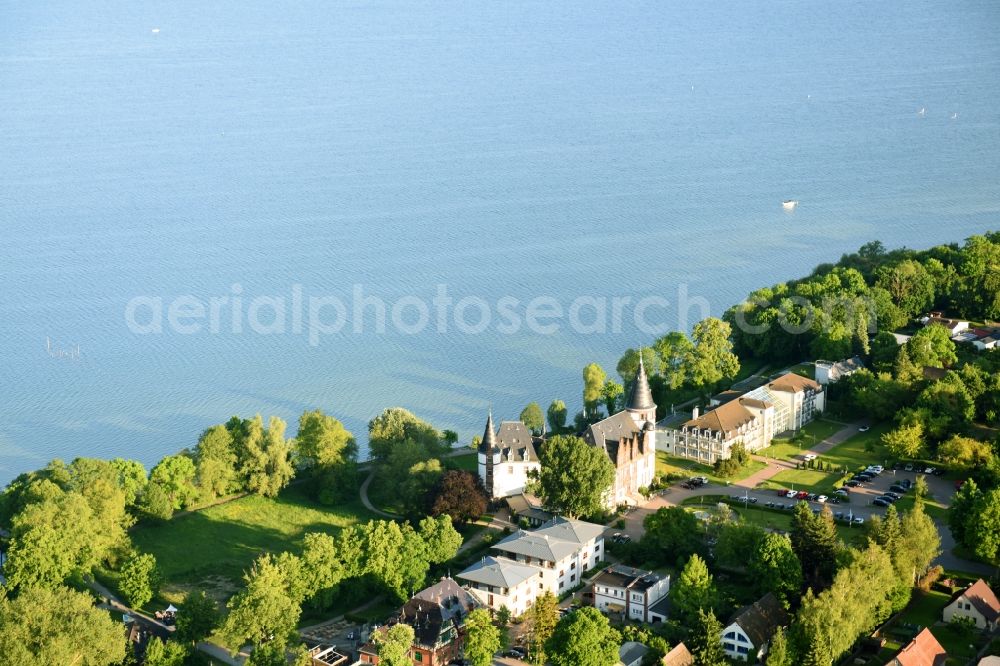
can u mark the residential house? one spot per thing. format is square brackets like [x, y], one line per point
[752, 419]
[954, 326]
[830, 372]
[631, 653]
[631, 592]
[678, 656]
[551, 558]
[750, 630]
[923, 650]
[437, 615]
[506, 458]
[977, 602]
[525, 508]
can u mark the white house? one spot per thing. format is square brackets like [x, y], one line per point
[498, 582]
[829, 372]
[506, 458]
[977, 602]
[751, 628]
[632, 592]
[552, 557]
[752, 419]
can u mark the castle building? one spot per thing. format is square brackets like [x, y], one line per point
[629, 440]
[505, 458]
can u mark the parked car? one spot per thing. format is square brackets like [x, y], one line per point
[783, 493]
[769, 505]
[809, 457]
[878, 501]
[822, 499]
[839, 515]
[888, 498]
[938, 472]
[834, 500]
[929, 470]
[858, 520]
[842, 492]
[893, 495]
[907, 482]
[812, 497]
[853, 483]
[516, 653]
[791, 494]
[898, 488]
[801, 495]
[864, 428]
[908, 467]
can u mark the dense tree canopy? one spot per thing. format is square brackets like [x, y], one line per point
[574, 476]
[583, 638]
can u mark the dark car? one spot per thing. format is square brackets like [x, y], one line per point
[888, 498]
[893, 495]
[853, 483]
[516, 653]
[938, 472]
[812, 497]
[878, 501]
[898, 488]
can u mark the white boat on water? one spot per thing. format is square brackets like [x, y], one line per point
[789, 204]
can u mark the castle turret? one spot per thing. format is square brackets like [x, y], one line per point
[487, 455]
[640, 401]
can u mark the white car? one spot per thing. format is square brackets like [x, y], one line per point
[810, 456]
[791, 494]
[821, 499]
[864, 429]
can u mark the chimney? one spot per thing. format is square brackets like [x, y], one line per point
[694, 413]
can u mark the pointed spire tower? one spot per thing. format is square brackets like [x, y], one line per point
[640, 400]
[488, 453]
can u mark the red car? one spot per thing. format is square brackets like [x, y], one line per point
[782, 493]
[802, 495]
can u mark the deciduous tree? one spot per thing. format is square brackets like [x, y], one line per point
[593, 382]
[694, 590]
[140, 579]
[460, 495]
[543, 617]
[574, 476]
[712, 359]
[482, 638]
[583, 638]
[532, 417]
[57, 626]
[393, 645]
[197, 617]
[706, 639]
[557, 416]
[775, 568]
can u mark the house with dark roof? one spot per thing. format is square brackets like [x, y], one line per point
[830, 372]
[923, 650]
[977, 602]
[437, 615]
[631, 653]
[750, 630]
[506, 457]
[527, 509]
[632, 592]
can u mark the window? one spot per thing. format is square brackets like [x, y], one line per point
[418, 656]
[742, 650]
[572, 566]
[572, 578]
[731, 635]
[562, 585]
[742, 639]
[597, 548]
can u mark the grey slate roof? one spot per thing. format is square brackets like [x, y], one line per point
[619, 575]
[640, 397]
[499, 572]
[631, 651]
[538, 546]
[578, 532]
[514, 441]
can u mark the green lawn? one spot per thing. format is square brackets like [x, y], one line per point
[924, 609]
[810, 480]
[854, 452]
[467, 461]
[791, 448]
[217, 544]
[960, 647]
[668, 464]
[774, 519]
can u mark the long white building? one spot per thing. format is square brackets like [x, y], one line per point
[551, 558]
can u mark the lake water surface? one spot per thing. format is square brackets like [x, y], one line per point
[516, 149]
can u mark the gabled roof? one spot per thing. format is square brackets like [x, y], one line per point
[793, 383]
[983, 598]
[538, 546]
[760, 619]
[611, 430]
[679, 656]
[726, 418]
[432, 609]
[499, 572]
[923, 650]
[631, 652]
[578, 532]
